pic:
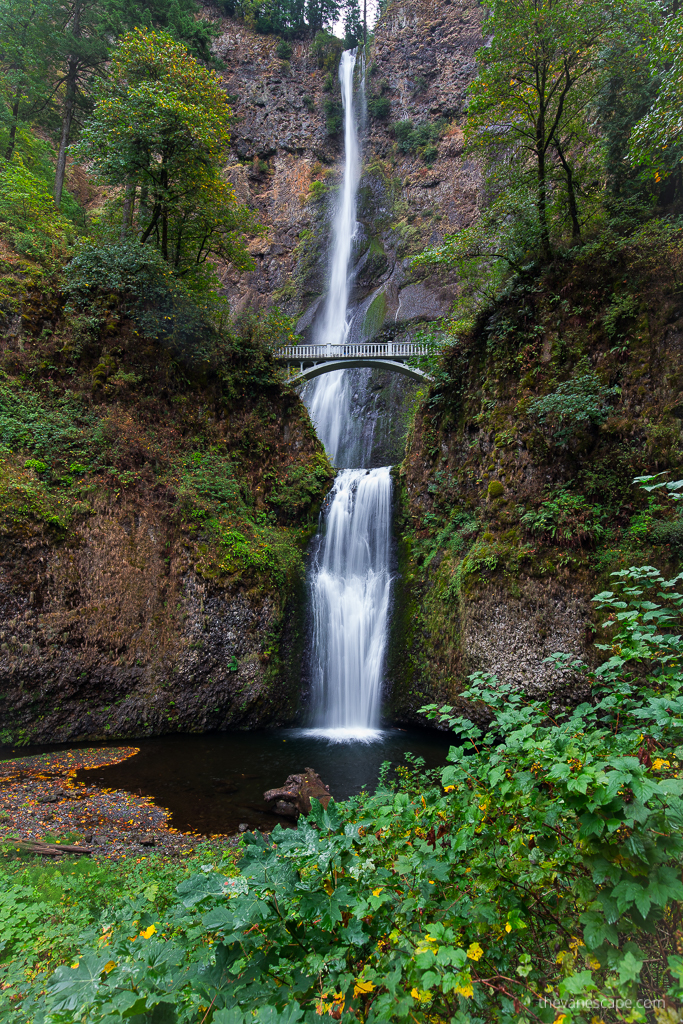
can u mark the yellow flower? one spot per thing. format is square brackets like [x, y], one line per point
[448, 789]
[361, 988]
[475, 952]
[421, 996]
[376, 892]
[148, 932]
[658, 763]
[465, 990]
[508, 927]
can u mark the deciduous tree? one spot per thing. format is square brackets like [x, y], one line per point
[160, 129]
[537, 77]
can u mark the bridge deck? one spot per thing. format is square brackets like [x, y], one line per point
[398, 352]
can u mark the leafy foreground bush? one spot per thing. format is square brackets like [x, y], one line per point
[538, 882]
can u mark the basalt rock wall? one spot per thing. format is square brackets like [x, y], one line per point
[286, 164]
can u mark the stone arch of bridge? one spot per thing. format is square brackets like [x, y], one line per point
[329, 365]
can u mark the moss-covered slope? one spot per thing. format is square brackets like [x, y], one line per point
[517, 498]
[153, 515]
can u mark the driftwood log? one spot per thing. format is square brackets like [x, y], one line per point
[294, 798]
[45, 849]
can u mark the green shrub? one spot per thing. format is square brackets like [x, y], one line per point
[298, 489]
[419, 138]
[334, 115]
[670, 533]
[27, 424]
[143, 288]
[28, 216]
[566, 518]
[284, 49]
[379, 107]
[621, 310]
[495, 489]
[308, 103]
[577, 403]
[327, 50]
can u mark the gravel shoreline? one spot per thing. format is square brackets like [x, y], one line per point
[40, 798]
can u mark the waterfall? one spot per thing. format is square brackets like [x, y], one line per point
[350, 578]
[328, 397]
[350, 592]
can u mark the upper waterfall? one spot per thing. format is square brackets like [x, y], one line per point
[328, 398]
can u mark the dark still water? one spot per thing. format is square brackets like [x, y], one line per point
[213, 782]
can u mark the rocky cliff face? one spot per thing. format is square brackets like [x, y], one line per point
[286, 163]
[152, 529]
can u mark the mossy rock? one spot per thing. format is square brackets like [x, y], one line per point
[374, 317]
[495, 490]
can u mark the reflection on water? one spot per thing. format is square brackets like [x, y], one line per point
[215, 781]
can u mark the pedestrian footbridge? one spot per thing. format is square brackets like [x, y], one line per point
[308, 361]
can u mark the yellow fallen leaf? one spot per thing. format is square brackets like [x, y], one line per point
[475, 952]
[109, 966]
[74, 966]
[361, 988]
[508, 927]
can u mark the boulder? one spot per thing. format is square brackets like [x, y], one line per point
[294, 797]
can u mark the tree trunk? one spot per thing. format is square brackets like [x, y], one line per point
[571, 194]
[13, 130]
[541, 194]
[152, 224]
[128, 204]
[69, 108]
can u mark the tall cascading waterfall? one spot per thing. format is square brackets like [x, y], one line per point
[350, 577]
[328, 398]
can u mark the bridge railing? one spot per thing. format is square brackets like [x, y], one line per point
[368, 350]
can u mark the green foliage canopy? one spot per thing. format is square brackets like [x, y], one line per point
[536, 871]
[160, 129]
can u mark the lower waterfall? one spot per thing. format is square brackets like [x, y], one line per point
[350, 588]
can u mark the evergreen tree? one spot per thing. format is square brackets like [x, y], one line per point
[353, 23]
[25, 66]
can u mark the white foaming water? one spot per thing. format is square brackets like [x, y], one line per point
[350, 579]
[328, 396]
[351, 587]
